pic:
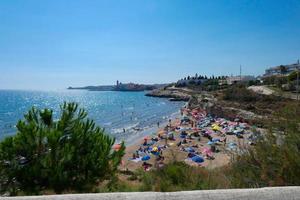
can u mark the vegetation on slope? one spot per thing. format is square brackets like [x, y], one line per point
[275, 160]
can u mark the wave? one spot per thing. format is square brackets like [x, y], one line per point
[129, 127]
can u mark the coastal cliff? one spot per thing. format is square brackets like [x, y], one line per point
[214, 102]
[173, 93]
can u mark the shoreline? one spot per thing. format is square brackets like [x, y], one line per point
[149, 131]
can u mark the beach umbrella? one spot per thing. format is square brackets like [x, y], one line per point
[239, 131]
[216, 140]
[146, 138]
[232, 146]
[232, 123]
[117, 147]
[198, 159]
[189, 149]
[210, 143]
[207, 151]
[155, 149]
[216, 127]
[209, 132]
[147, 157]
[236, 119]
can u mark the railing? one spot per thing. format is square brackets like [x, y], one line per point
[275, 193]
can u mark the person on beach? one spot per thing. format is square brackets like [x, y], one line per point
[145, 143]
[133, 156]
[225, 139]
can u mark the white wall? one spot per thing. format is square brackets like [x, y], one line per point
[276, 193]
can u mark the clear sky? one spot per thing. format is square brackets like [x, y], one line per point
[53, 44]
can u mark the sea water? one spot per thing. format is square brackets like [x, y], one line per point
[115, 111]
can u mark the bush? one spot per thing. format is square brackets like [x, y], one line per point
[68, 153]
[241, 94]
[179, 176]
[275, 160]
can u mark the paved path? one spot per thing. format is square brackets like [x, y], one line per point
[276, 193]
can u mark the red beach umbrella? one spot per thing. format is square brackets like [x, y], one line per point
[117, 147]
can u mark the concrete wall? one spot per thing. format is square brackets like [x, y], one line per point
[276, 193]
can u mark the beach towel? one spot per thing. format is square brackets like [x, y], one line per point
[135, 160]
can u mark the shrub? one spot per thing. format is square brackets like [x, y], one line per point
[178, 176]
[241, 94]
[275, 160]
[68, 153]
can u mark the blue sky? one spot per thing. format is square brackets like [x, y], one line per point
[57, 43]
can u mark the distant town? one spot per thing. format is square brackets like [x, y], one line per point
[120, 87]
[272, 72]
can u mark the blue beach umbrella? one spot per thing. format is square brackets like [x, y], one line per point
[147, 157]
[189, 149]
[182, 136]
[210, 143]
[216, 140]
[198, 159]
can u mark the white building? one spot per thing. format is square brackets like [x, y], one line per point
[282, 69]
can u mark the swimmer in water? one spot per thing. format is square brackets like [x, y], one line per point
[124, 130]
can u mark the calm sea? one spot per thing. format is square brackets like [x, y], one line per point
[114, 111]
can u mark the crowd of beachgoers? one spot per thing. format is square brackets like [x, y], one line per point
[195, 137]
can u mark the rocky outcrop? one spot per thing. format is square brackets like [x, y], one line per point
[172, 94]
[224, 109]
[209, 102]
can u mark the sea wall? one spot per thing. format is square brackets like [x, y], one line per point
[276, 193]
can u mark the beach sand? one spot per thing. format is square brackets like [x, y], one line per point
[173, 152]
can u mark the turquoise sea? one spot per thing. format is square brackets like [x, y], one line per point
[114, 111]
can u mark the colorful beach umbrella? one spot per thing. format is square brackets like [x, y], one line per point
[189, 149]
[147, 157]
[117, 147]
[207, 151]
[198, 159]
[216, 140]
[146, 138]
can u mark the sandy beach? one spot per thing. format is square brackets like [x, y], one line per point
[171, 151]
